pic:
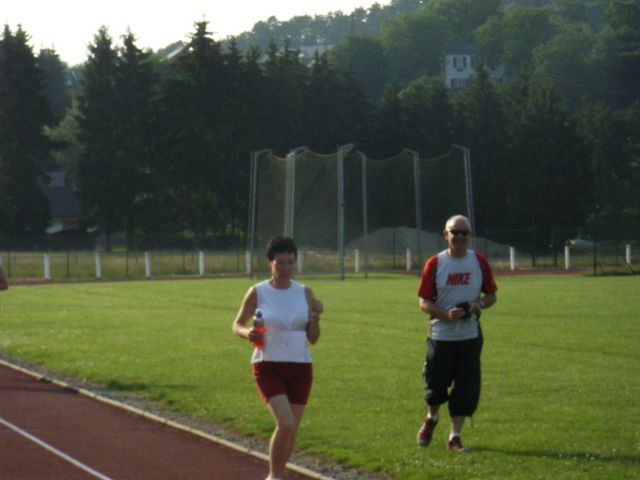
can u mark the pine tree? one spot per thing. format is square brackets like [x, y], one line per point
[196, 134]
[136, 104]
[24, 148]
[99, 178]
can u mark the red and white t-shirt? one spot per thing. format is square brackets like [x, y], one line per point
[448, 281]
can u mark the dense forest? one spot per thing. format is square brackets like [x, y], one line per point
[156, 143]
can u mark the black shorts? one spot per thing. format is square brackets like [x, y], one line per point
[452, 374]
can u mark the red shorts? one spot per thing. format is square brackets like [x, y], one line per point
[284, 378]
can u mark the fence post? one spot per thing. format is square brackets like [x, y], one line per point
[357, 260]
[408, 257]
[147, 264]
[47, 267]
[201, 262]
[98, 266]
[628, 254]
[300, 261]
[567, 257]
[512, 258]
[248, 261]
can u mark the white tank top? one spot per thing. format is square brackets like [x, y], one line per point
[286, 315]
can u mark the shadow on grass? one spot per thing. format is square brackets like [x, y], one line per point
[557, 455]
[143, 387]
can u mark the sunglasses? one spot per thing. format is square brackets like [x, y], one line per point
[458, 233]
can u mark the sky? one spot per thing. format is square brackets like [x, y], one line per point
[69, 26]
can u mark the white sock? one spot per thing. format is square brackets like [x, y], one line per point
[453, 435]
[435, 417]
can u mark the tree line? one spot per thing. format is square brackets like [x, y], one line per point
[163, 145]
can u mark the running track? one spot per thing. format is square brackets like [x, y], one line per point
[49, 432]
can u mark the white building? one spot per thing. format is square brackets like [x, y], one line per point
[459, 62]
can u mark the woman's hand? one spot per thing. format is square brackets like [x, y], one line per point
[316, 308]
[255, 336]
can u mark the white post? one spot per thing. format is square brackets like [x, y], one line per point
[628, 254]
[98, 266]
[201, 262]
[567, 257]
[357, 260]
[300, 261]
[147, 265]
[408, 254]
[47, 267]
[247, 261]
[512, 258]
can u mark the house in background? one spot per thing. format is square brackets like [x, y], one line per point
[65, 206]
[459, 63]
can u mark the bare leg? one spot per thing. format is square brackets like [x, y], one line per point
[456, 424]
[287, 417]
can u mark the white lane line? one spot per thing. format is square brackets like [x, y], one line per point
[54, 450]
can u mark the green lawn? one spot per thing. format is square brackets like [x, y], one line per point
[561, 368]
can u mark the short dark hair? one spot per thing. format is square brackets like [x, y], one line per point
[281, 244]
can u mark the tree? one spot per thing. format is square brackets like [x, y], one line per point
[66, 134]
[612, 160]
[547, 159]
[99, 178]
[24, 148]
[338, 110]
[566, 61]
[55, 73]
[285, 78]
[388, 136]
[428, 116]
[510, 38]
[136, 112]
[480, 126]
[464, 16]
[195, 134]
[364, 58]
[414, 44]
[570, 11]
[618, 50]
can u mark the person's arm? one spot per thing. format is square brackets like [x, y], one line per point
[315, 309]
[433, 310]
[4, 284]
[483, 303]
[245, 314]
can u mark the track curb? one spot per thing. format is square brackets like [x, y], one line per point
[161, 420]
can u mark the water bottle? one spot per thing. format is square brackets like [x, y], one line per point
[258, 326]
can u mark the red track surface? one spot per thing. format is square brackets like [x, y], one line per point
[104, 441]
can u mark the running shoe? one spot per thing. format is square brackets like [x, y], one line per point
[426, 431]
[455, 444]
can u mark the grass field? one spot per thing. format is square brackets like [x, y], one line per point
[561, 368]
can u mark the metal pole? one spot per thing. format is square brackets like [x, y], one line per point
[253, 189]
[365, 227]
[418, 204]
[341, 156]
[290, 192]
[468, 186]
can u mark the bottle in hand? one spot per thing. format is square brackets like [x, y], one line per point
[258, 326]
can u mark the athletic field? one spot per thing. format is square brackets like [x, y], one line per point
[561, 368]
